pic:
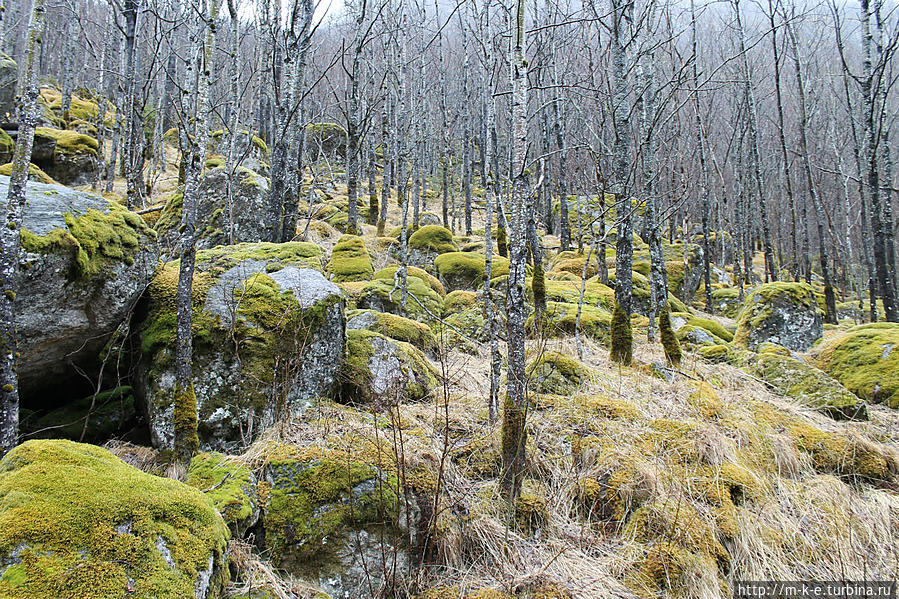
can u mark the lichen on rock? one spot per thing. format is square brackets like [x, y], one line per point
[782, 312]
[256, 306]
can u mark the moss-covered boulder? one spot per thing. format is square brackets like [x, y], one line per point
[561, 319]
[35, 174]
[641, 297]
[251, 149]
[555, 373]
[86, 261]
[395, 327]
[7, 143]
[76, 521]
[683, 269]
[350, 260]
[389, 272]
[383, 371]
[68, 156]
[327, 517]
[425, 244]
[326, 138]
[679, 319]
[726, 301]
[268, 333]
[384, 295]
[465, 270]
[808, 386]
[866, 360]
[783, 312]
[230, 485]
[219, 223]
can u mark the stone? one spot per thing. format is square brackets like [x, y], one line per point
[268, 340]
[9, 76]
[85, 263]
[784, 313]
[384, 371]
[244, 219]
[866, 360]
[76, 521]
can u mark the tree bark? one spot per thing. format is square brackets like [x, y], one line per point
[28, 115]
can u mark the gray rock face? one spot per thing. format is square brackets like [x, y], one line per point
[8, 79]
[244, 217]
[783, 313]
[266, 344]
[75, 164]
[66, 314]
[686, 287]
[251, 152]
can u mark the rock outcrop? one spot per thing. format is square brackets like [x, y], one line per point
[866, 360]
[218, 220]
[783, 313]
[86, 261]
[268, 339]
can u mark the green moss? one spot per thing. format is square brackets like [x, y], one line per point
[61, 503]
[315, 493]
[573, 262]
[413, 271]
[465, 270]
[561, 319]
[865, 359]
[621, 337]
[554, 372]
[433, 238]
[595, 294]
[184, 418]
[380, 293]
[356, 375]
[715, 353]
[69, 142]
[807, 384]
[400, 328]
[106, 413]
[7, 144]
[95, 240]
[708, 324]
[350, 260]
[759, 306]
[459, 300]
[670, 344]
[228, 484]
[34, 173]
[530, 508]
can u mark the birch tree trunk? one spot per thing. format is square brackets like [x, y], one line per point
[514, 434]
[622, 339]
[28, 116]
[196, 143]
[752, 128]
[830, 312]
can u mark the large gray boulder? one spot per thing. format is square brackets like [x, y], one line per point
[244, 217]
[85, 263]
[784, 313]
[67, 156]
[268, 339]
